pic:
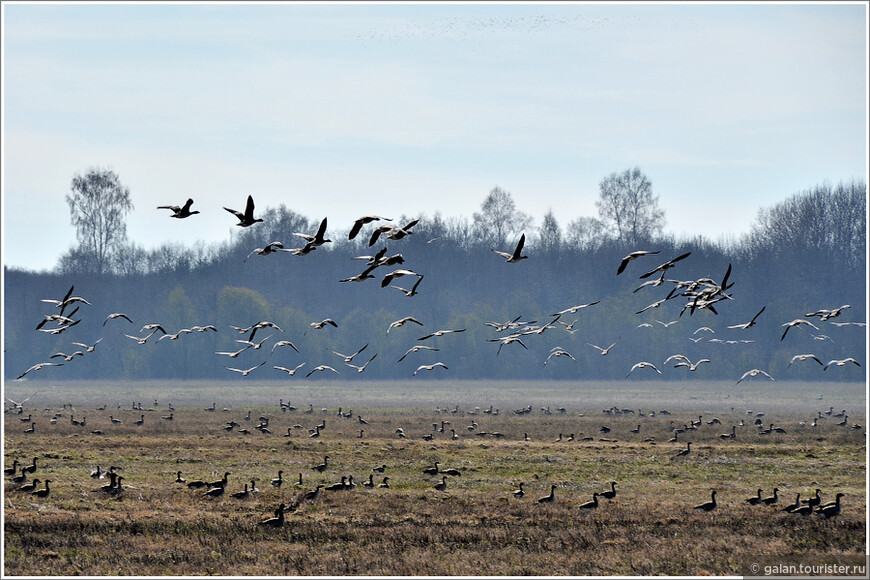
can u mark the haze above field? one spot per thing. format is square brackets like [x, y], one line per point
[344, 110]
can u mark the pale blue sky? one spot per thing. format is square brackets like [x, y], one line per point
[348, 109]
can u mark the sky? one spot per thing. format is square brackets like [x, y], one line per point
[343, 110]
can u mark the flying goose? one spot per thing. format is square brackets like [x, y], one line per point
[322, 323]
[401, 322]
[604, 351]
[796, 322]
[516, 256]
[632, 256]
[68, 357]
[416, 348]
[755, 373]
[439, 333]
[803, 357]
[666, 266]
[290, 372]
[397, 274]
[574, 309]
[180, 212]
[557, 352]
[321, 368]
[141, 339]
[317, 239]
[360, 222]
[642, 365]
[692, 366]
[361, 368]
[232, 354]
[269, 248]
[349, 357]
[59, 329]
[254, 345]
[413, 290]
[840, 363]
[245, 219]
[362, 277]
[429, 367]
[281, 343]
[245, 372]
[115, 315]
[749, 324]
[57, 318]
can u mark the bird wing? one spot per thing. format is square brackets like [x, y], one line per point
[519, 247]
[249, 209]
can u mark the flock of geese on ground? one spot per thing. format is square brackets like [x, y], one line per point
[701, 294]
[18, 473]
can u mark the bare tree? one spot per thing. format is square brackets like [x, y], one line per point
[628, 207]
[585, 233]
[499, 219]
[550, 234]
[98, 205]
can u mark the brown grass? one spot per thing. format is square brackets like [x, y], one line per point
[475, 527]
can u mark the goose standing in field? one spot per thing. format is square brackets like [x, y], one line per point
[519, 493]
[840, 363]
[590, 504]
[749, 324]
[180, 212]
[313, 494]
[20, 478]
[549, 498]
[340, 486]
[245, 219]
[278, 480]
[321, 467]
[685, 451]
[178, 478]
[642, 365]
[815, 500]
[443, 485]
[30, 430]
[709, 505]
[429, 367]
[360, 222]
[29, 487]
[832, 509]
[30, 468]
[42, 492]
[771, 499]
[277, 521]
[385, 484]
[611, 493]
[754, 373]
[794, 506]
[242, 494]
[516, 256]
[755, 500]
[11, 470]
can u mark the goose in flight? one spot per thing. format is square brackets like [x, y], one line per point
[510, 339]
[630, 257]
[176, 335]
[396, 274]
[245, 372]
[153, 326]
[317, 239]
[290, 372]
[349, 357]
[557, 352]
[515, 323]
[643, 365]
[322, 323]
[413, 290]
[840, 363]
[180, 212]
[360, 369]
[392, 232]
[516, 256]
[38, 366]
[666, 266]
[755, 373]
[59, 329]
[655, 304]
[604, 351]
[59, 303]
[88, 347]
[60, 319]
[429, 367]
[269, 248]
[232, 354]
[254, 345]
[796, 322]
[359, 223]
[68, 357]
[803, 357]
[746, 325]
[574, 309]
[62, 304]
[440, 333]
[825, 314]
[245, 219]
[401, 322]
[362, 277]
[283, 343]
[141, 339]
[321, 368]
[416, 348]
[115, 315]
[692, 366]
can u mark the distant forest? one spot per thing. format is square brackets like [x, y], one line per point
[802, 255]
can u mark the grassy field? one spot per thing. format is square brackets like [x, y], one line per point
[475, 526]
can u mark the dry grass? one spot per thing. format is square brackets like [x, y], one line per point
[475, 527]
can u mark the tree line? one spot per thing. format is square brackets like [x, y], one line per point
[803, 254]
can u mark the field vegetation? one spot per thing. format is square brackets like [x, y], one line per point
[476, 526]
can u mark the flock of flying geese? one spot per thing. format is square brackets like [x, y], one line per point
[701, 294]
